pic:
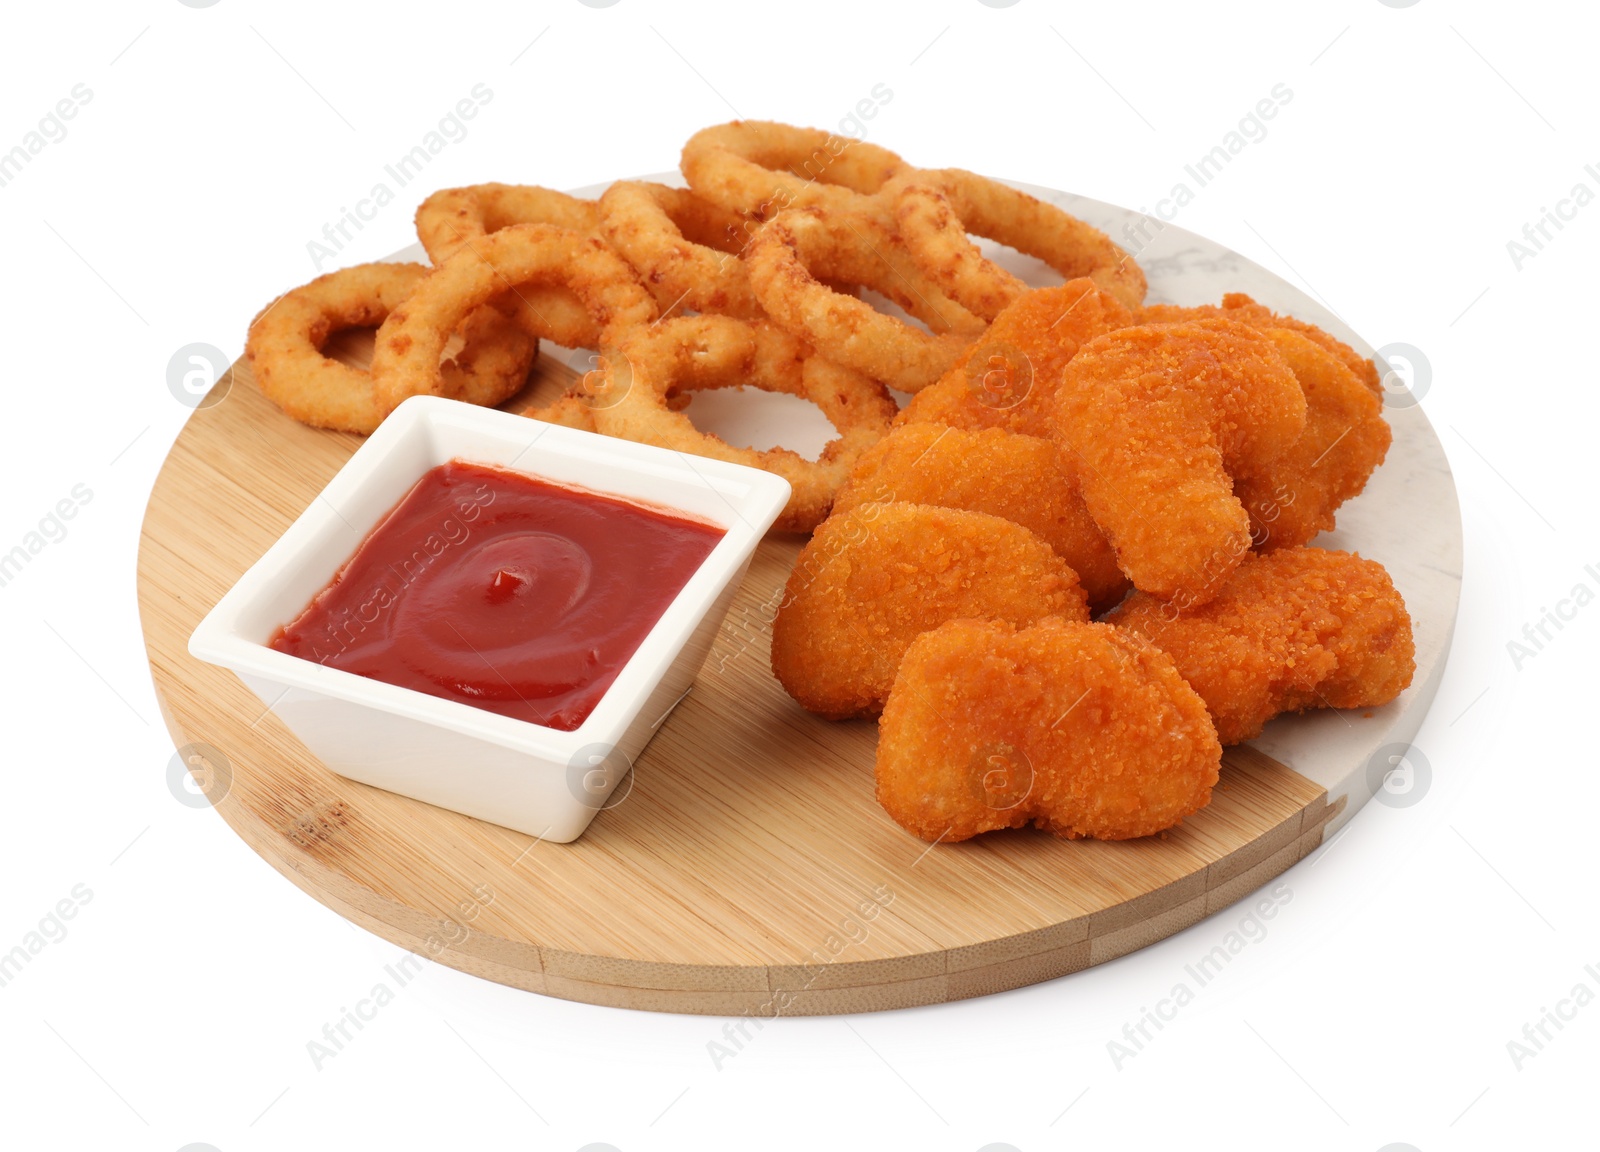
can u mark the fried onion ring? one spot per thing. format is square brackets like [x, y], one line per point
[456, 218]
[936, 210]
[286, 341]
[405, 357]
[793, 250]
[685, 248]
[452, 218]
[759, 167]
[638, 382]
[570, 411]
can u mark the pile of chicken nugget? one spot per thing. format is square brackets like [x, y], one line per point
[1077, 566]
[1064, 576]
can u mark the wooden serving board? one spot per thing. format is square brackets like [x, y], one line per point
[747, 870]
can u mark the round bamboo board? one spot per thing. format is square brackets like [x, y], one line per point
[748, 869]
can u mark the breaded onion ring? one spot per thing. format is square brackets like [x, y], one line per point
[685, 249]
[759, 168]
[570, 411]
[791, 252]
[455, 218]
[286, 341]
[1158, 420]
[405, 356]
[936, 210]
[1077, 728]
[635, 390]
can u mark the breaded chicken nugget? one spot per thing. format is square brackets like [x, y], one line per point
[1158, 420]
[1018, 478]
[1290, 630]
[1007, 379]
[1238, 306]
[875, 578]
[1077, 728]
[1346, 438]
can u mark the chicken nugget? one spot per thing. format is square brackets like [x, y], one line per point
[875, 578]
[1076, 728]
[1008, 377]
[1346, 438]
[1016, 477]
[1290, 630]
[1238, 306]
[1159, 419]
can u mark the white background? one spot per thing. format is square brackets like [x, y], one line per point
[218, 142]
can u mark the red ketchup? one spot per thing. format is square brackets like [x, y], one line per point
[502, 591]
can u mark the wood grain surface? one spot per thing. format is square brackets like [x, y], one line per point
[746, 870]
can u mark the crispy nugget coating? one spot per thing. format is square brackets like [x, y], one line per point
[1077, 728]
[992, 386]
[1346, 438]
[1158, 420]
[875, 578]
[1238, 306]
[1018, 478]
[1294, 629]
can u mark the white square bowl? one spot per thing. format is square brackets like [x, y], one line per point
[537, 780]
